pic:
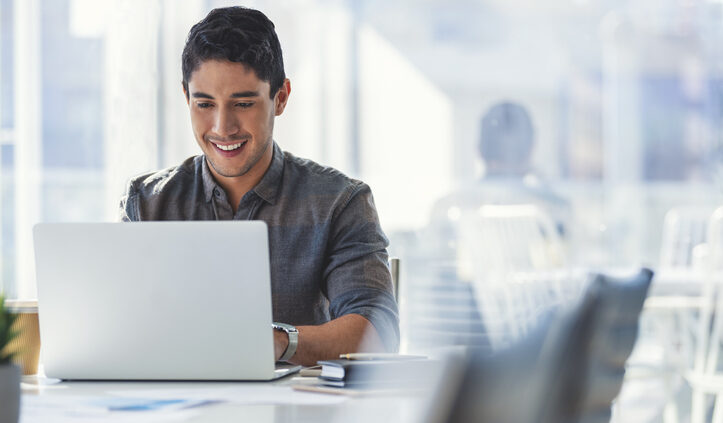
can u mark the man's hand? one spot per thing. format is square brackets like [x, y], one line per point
[346, 334]
[281, 341]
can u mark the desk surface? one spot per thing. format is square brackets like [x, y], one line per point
[50, 400]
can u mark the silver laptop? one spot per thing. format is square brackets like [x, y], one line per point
[155, 301]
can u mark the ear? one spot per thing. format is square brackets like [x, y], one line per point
[185, 93]
[282, 97]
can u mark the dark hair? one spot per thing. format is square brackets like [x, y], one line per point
[506, 134]
[236, 34]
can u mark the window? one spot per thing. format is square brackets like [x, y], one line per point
[625, 101]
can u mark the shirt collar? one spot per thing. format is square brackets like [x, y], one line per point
[209, 184]
[268, 186]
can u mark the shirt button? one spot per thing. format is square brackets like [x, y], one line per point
[216, 192]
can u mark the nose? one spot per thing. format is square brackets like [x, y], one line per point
[226, 123]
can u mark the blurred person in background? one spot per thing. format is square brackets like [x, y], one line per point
[468, 260]
[507, 137]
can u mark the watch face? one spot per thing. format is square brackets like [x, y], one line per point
[285, 327]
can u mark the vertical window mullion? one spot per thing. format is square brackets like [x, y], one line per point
[28, 139]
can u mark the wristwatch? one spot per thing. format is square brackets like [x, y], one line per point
[293, 334]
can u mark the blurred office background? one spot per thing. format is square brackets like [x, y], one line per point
[625, 99]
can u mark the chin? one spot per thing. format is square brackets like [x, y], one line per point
[233, 173]
[227, 171]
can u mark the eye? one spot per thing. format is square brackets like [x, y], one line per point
[244, 105]
[204, 105]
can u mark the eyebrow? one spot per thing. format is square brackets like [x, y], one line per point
[243, 94]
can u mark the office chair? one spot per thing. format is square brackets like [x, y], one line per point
[394, 268]
[588, 368]
[569, 369]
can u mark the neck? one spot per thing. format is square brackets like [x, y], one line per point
[237, 186]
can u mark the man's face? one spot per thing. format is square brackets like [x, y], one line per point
[233, 116]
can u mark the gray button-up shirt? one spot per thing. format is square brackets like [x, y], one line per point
[328, 251]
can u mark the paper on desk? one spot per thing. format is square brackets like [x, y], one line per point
[75, 408]
[240, 394]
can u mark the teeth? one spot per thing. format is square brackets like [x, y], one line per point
[229, 147]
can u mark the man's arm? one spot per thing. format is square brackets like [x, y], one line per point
[128, 208]
[358, 285]
[350, 333]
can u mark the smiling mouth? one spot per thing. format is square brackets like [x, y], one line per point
[230, 147]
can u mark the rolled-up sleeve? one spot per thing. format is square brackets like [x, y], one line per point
[128, 208]
[357, 277]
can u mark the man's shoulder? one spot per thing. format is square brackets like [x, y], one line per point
[311, 177]
[154, 183]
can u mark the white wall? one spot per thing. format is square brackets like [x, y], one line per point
[406, 135]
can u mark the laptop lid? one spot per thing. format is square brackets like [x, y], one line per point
[155, 300]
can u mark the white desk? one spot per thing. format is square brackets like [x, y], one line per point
[377, 409]
[50, 400]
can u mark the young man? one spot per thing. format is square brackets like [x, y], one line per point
[329, 274]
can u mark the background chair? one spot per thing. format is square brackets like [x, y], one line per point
[515, 258]
[668, 323]
[684, 229]
[394, 264]
[482, 278]
[706, 378]
[507, 238]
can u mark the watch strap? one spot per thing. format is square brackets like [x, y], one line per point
[293, 335]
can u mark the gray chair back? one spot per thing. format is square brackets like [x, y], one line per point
[569, 369]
